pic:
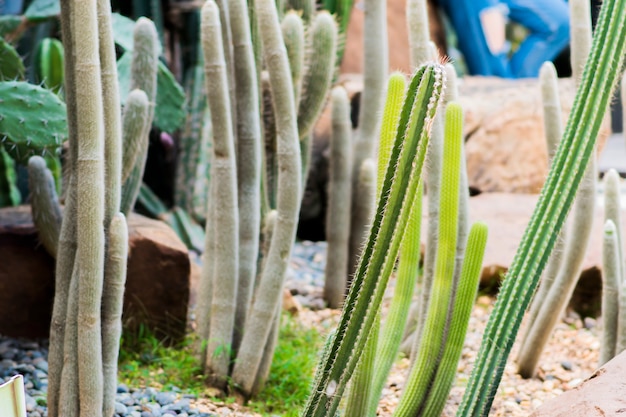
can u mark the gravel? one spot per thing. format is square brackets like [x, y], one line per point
[569, 358]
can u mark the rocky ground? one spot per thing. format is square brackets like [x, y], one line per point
[570, 357]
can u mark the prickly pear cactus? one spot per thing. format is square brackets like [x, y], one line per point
[11, 66]
[32, 120]
[49, 67]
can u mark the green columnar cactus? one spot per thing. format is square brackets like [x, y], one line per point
[575, 149]
[374, 78]
[143, 77]
[293, 34]
[611, 279]
[224, 178]
[9, 193]
[563, 283]
[612, 211]
[49, 64]
[339, 190]
[112, 302]
[45, 206]
[248, 159]
[32, 120]
[435, 335]
[379, 255]
[268, 294]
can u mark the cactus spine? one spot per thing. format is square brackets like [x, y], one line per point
[339, 190]
[575, 149]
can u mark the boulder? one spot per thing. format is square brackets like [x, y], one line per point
[507, 215]
[505, 145]
[157, 287]
[602, 394]
[398, 38]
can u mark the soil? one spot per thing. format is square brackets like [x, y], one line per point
[570, 356]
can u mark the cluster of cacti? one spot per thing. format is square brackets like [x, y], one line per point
[239, 304]
[572, 157]
[565, 266]
[401, 182]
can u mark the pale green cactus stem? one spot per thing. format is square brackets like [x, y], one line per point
[248, 159]
[339, 194]
[143, 77]
[44, 204]
[224, 179]
[574, 152]
[267, 297]
[68, 401]
[580, 34]
[419, 37]
[134, 126]
[375, 66]
[621, 321]
[227, 47]
[361, 382]
[387, 346]
[553, 128]
[561, 289]
[611, 280]
[90, 210]
[364, 391]
[67, 238]
[461, 311]
[112, 114]
[112, 303]
[293, 34]
[623, 97]
[442, 293]
[379, 255]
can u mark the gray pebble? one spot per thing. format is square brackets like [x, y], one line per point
[120, 409]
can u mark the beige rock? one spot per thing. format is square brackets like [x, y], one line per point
[505, 145]
[602, 394]
[157, 287]
[290, 303]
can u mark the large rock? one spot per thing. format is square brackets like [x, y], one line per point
[507, 215]
[157, 287]
[602, 394]
[398, 38]
[505, 145]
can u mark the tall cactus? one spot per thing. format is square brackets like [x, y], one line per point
[575, 149]
[379, 255]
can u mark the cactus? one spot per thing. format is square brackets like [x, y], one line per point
[32, 120]
[49, 64]
[9, 193]
[365, 295]
[575, 247]
[573, 154]
[374, 77]
[611, 280]
[133, 127]
[143, 77]
[11, 66]
[293, 34]
[45, 206]
[339, 190]
[225, 223]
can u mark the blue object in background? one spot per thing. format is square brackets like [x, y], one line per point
[11, 7]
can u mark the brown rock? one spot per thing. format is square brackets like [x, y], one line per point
[290, 304]
[399, 58]
[602, 394]
[507, 216]
[157, 287]
[505, 145]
